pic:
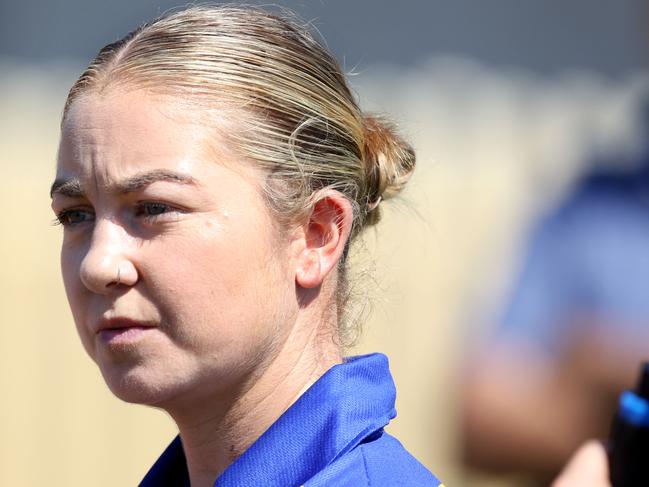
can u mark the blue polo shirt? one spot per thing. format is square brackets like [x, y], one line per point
[332, 436]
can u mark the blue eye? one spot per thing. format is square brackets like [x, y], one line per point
[153, 209]
[73, 216]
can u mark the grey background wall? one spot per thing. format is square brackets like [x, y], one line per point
[546, 37]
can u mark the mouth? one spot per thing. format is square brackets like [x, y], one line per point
[122, 331]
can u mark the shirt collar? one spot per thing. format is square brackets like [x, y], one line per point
[350, 402]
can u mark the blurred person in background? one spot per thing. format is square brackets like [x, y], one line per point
[587, 468]
[573, 333]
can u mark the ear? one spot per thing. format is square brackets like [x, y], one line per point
[324, 237]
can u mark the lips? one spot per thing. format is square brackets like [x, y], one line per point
[117, 324]
[123, 331]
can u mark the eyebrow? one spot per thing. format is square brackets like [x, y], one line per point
[66, 187]
[71, 187]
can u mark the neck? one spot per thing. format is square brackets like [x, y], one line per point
[217, 431]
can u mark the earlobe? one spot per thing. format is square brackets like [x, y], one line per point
[324, 237]
[309, 271]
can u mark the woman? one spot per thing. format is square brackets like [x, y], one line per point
[212, 171]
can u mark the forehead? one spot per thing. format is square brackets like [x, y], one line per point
[113, 134]
[116, 124]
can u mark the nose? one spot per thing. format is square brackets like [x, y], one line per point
[108, 265]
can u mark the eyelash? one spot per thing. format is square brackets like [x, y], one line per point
[63, 217]
[141, 208]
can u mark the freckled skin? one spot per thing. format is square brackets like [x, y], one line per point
[209, 272]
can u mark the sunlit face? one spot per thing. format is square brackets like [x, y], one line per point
[178, 282]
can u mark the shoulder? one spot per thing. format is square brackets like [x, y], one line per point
[380, 460]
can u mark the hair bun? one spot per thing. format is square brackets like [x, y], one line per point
[389, 163]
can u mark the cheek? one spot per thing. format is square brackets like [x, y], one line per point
[70, 272]
[75, 291]
[218, 284]
[201, 277]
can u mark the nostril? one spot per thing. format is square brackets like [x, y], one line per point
[118, 279]
[119, 276]
[126, 275]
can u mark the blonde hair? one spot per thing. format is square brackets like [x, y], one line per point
[304, 127]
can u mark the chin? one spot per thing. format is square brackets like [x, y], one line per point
[138, 386]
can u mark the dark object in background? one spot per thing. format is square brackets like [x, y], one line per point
[629, 439]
